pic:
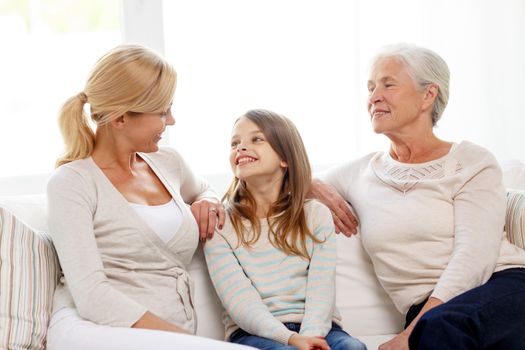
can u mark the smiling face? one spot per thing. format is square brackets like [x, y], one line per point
[144, 130]
[251, 156]
[394, 102]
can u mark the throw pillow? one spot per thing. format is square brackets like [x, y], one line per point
[515, 218]
[29, 272]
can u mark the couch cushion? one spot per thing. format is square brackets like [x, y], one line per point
[31, 209]
[206, 302]
[513, 174]
[515, 219]
[363, 303]
[28, 276]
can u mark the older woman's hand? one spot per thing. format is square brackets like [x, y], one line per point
[399, 342]
[208, 213]
[344, 218]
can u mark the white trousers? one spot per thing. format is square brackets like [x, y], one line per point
[68, 331]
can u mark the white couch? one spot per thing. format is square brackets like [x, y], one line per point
[367, 311]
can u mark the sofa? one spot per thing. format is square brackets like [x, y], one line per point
[29, 270]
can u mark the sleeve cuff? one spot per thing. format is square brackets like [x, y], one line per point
[282, 336]
[443, 294]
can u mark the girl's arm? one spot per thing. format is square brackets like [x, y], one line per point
[238, 296]
[320, 287]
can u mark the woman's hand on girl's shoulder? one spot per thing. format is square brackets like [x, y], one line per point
[344, 218]
[209, 213]
[303, 342]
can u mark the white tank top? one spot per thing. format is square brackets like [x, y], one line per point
[164, 219]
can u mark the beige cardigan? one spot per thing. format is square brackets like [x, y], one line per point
[116, 268]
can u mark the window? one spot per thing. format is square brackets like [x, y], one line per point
[48, 48]
[309, 61]
[286, 56]
[305, 59]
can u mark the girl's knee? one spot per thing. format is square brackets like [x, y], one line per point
[348, 343]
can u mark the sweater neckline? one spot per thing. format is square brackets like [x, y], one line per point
[392, 162]
[404, 177]
[152, 236]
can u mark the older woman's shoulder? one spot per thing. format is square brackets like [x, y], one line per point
[342, 174]
[467, 152]
[469, 146]
[354, 165]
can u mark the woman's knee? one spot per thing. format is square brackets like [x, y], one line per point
[441, 326]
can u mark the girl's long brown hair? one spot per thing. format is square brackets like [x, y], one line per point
[288, 230]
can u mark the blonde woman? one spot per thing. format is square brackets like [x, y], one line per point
[118, 215]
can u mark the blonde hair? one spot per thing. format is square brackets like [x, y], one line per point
[128, 78]
[286, 217]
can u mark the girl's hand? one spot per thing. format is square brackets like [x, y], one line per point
[303, 342]
[399, 342]
[344, 218]
[208, 213]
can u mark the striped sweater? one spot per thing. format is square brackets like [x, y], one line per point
[261, 287]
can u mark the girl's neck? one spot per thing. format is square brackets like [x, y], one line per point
[264, 194]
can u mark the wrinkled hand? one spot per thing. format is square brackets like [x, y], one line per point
[303, 342]
[399, 342]
[344, 218]
[208, 213]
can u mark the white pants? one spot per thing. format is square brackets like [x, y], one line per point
[68, 331]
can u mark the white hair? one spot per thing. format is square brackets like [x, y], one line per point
[425, 67]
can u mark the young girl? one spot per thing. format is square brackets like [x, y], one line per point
[273, 263]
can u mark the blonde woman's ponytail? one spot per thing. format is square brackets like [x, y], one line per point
[128, 78]
[79, 138]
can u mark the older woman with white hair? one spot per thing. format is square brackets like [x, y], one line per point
[431, 215]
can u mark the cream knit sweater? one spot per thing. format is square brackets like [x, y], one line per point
[431, 229]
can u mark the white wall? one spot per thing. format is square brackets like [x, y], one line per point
[306, 59]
